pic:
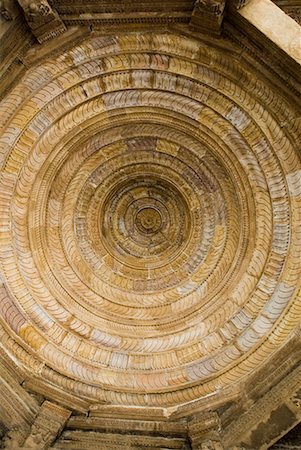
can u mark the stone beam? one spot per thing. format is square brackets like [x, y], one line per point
[269, 418]
[99, 441]
[270, 20]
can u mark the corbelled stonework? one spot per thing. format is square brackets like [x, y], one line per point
[150, 202]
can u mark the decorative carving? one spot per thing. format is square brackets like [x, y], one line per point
[43, 20]
[238, 4]
[296, 400]
[48, 424]
[121, 12]
[37, 12]
[215, 7]
[153, 294]
[13, 439]
[8, 9]
[211, 445]
[272, 400]
[204, 431]
[39, 437]
[208, 15]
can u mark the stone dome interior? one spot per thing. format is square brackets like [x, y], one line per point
[150, 199]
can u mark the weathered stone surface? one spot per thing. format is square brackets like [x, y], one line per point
[275, 24]
[291, 441]
[150, 208]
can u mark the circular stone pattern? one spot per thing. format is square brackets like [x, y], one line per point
[144, 220]
[141, 263]
[148, 220]
[150, 209]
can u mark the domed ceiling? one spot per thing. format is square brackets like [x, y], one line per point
[150, 208]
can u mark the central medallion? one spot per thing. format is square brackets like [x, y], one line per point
[148, 220]
[145, 221]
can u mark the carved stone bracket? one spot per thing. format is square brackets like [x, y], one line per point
[9, 9]
[237, 4]
[43, 20]
[14, 438]
[47, 425]
[204, 431]
[208, 15]
[295, 400]
[211, 445]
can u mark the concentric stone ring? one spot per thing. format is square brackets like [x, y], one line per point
[150, 207]
[148, 220]
[145, 221]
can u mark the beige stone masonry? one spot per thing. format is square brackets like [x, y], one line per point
[274, 24]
